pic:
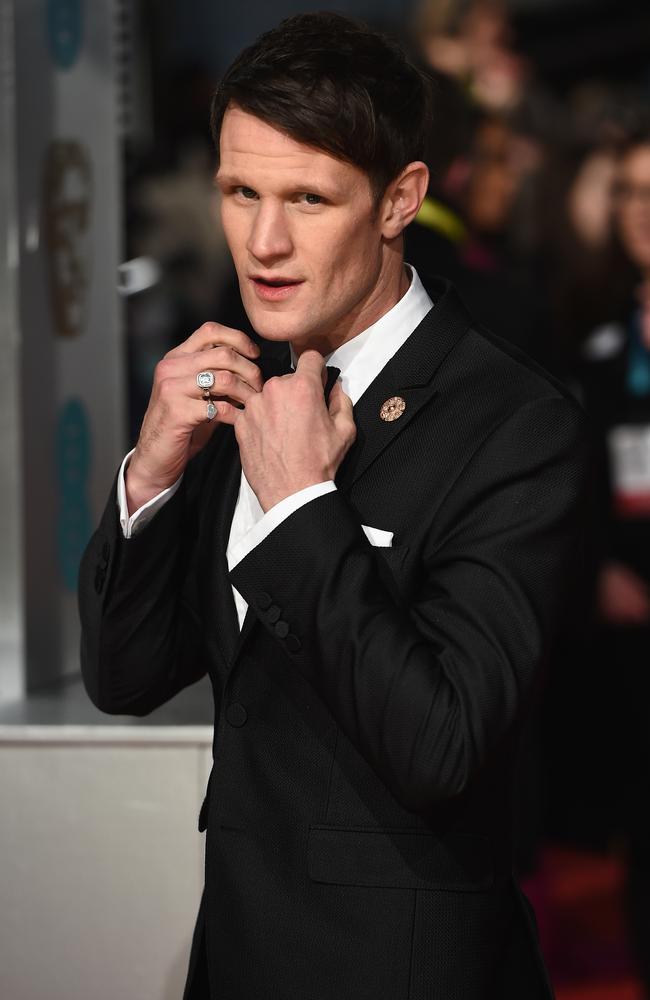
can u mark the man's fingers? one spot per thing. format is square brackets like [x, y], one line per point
[339, 402]
[227, 359]
[311, 363]
[220, 361]
[225, 384]
[204, 428]
[173, 393]
[226, 412]
[212, 334]
[197, 416]
[342, 413]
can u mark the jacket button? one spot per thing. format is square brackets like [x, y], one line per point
[264, 601]
[293, 643]
[236, 714]
[281, 629]
[273, 614]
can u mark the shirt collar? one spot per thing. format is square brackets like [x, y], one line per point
[364, 356]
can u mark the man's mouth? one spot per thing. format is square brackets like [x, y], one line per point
[275, 289]
[275, 282]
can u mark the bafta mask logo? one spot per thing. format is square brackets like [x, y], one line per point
[65, 31]
[67, 208]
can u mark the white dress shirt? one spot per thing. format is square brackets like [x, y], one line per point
[360, 361]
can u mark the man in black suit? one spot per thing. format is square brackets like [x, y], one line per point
[370, 579]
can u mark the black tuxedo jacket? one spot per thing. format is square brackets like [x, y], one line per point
[358, 813]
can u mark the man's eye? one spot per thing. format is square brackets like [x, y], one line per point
[312, 199]
[246, 192]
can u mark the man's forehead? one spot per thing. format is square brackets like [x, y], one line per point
[248, 142]
[242, 129]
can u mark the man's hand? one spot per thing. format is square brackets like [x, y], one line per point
[175, 426]
[288, 438]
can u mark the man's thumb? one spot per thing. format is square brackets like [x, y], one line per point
[339, 401]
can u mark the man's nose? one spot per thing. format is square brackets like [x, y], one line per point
[269, 238]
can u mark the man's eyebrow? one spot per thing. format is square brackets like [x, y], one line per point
[307, 186]
[221, 177]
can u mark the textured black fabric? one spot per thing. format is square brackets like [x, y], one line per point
[197, 986]
[403, 859]
[359, 841]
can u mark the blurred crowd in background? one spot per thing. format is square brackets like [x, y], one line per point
[539, 211]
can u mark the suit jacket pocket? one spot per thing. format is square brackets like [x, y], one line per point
[378, 536]
[401, 859]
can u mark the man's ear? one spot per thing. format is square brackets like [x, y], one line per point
[403, 197]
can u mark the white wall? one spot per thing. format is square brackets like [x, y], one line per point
[12, 652]
[101, 862]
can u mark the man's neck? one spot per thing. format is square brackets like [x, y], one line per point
[388, 295]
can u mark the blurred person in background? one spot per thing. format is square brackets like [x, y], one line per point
[471, 41]
[468, 227]
[498, 276]
[579, 256]
[585, 272]
[615, 380]
[476, 224]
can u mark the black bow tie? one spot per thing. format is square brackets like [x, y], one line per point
[282, 366]
[332, 374]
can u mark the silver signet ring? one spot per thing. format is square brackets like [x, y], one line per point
[205, 380]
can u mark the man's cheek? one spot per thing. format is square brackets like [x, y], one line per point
[235, 237]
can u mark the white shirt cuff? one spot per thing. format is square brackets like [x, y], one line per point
[274, 517]
[141, 517]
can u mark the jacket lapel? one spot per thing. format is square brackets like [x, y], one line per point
[225, 493]
[409, 374]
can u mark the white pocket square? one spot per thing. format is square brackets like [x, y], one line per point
[377, 536]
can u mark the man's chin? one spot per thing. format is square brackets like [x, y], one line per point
[274, 335]
[277, 328]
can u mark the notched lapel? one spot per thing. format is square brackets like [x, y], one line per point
[410, 375]
[225, 492]
[373, 433]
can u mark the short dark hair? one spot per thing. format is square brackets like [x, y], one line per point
[330, 82]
